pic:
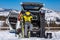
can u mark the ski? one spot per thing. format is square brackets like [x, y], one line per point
[29, 34]
[22, 30]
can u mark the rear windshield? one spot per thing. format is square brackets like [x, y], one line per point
[31, 8]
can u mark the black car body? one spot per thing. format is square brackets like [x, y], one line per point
[38, 20]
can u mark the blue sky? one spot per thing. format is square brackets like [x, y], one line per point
[15, 4]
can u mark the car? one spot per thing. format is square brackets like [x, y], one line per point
[12, 21]
[38, 20]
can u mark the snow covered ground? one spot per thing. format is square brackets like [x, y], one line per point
[5, 35]
[1, 23]
[50, 15]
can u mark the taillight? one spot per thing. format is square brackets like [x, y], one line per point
[19, 16]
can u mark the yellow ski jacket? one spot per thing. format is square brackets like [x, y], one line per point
[27, 18]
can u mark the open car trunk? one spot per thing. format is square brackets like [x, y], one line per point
[38, 20]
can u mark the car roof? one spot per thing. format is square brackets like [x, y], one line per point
[32, 4]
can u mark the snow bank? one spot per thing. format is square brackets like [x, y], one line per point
[4, 14]
[1, 23]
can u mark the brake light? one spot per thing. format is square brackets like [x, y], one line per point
[19, 16]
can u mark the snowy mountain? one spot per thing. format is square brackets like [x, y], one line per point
[1, 9]
[5, 12]
[51, 15]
